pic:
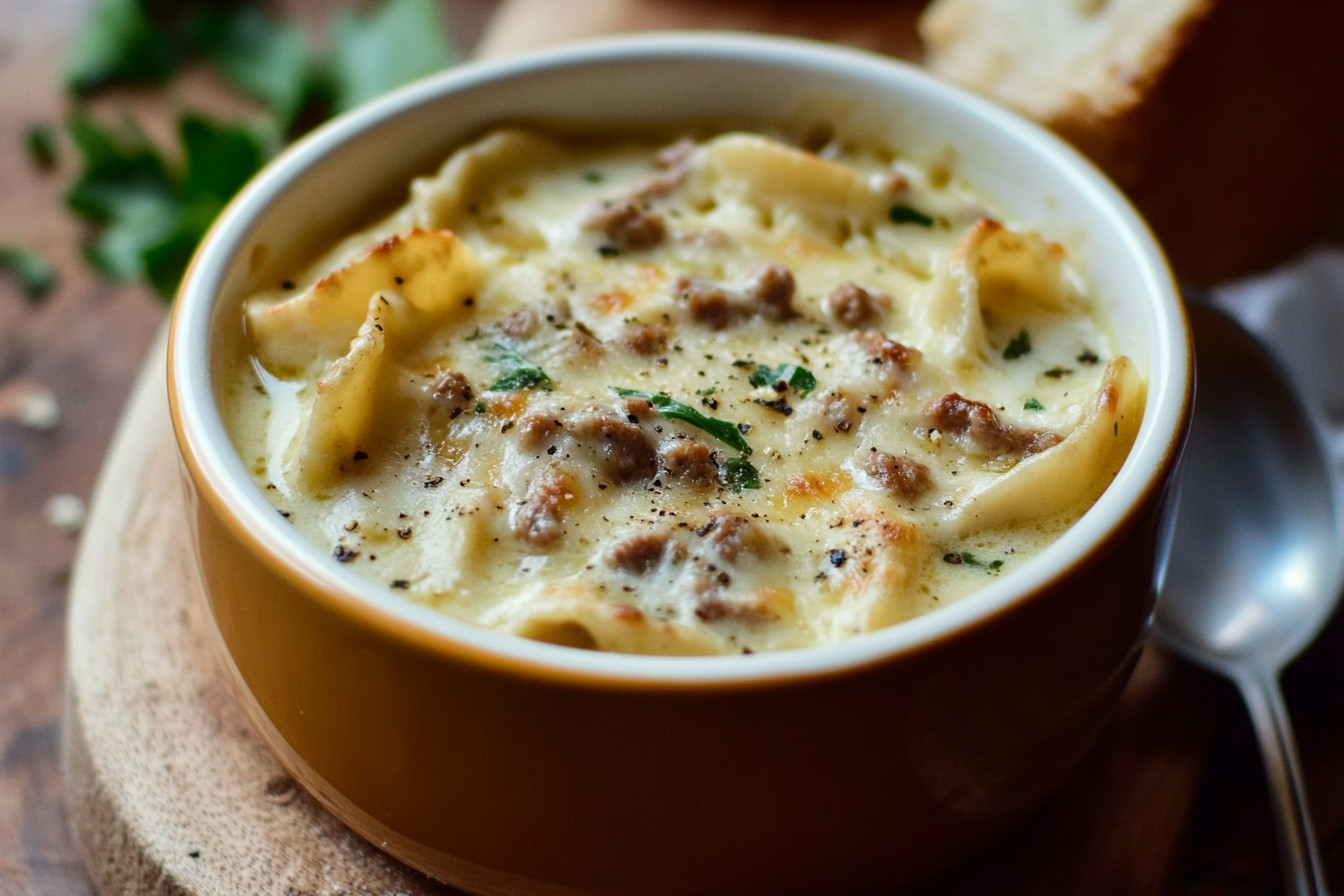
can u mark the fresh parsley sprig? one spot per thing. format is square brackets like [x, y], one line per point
[148, 215]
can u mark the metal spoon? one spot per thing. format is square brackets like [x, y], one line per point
[1256, 563]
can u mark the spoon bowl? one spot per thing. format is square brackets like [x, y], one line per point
[1256, 565]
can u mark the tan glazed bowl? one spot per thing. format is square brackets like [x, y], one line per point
[501, 765]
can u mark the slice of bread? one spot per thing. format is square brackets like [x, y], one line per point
[1222, 119]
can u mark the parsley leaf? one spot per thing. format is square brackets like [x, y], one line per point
[515, 371]
[791, 375]
[35, 274]
[725, 432]
[1018, 346]
[120, 41]
[267, 59]
[220, 158]
[1033, 404]
[739, 473]
[394, 43]
[118, 162]
[904, 214]
[148, 216]
[125, 190]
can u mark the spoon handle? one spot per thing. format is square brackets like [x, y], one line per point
[1303, 873]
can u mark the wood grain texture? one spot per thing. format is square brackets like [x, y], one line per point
[83, 344]
[170, 792]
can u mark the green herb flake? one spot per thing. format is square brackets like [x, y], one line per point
[904, 214]
[40, 142]
[1033, 404]
[728, 433]
[35, 274]
[594, 177]
[1018, 346]
[516, 373]
[739, 473]
[791, 375]
[966, 558]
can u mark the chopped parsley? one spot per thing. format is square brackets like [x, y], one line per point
[516, 373]
[739, 473]
[966, 558]
[904, 214]
[728, 433]
[1018, 346]
[790, 375]
[1033, 404]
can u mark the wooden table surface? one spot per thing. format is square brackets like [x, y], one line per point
[1191, 795]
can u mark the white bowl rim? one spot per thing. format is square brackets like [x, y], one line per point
[202, 435]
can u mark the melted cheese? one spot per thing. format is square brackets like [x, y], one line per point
[706, 397]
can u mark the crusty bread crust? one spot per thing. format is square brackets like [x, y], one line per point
[1222, 119]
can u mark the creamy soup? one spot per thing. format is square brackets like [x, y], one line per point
[713, 394]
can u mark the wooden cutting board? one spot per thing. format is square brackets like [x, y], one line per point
[170, 792]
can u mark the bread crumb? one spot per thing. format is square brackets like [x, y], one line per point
[66, 512]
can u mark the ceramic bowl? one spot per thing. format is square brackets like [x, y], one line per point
[501, 765]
